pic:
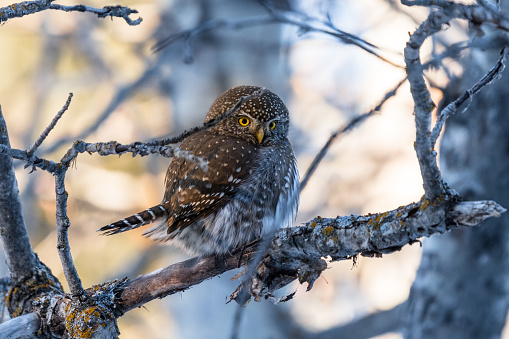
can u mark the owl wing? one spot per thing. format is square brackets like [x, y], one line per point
[192, 193]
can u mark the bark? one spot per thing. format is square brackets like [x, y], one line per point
[20, 256]
[461, 288]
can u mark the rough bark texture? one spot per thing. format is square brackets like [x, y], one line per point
[461, 288]
[12, 226]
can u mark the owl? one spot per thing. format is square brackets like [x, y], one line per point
[251, 186]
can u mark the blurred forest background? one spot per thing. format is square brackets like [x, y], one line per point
[124, 92]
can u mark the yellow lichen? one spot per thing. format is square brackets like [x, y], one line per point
[424, 204]
[313, 224]
[328, 230]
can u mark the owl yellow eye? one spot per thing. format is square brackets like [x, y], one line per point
[272, 125]
[244, 121]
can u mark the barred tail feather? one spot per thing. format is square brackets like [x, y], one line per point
[142, 218]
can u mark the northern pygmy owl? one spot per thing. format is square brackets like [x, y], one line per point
[251, 186]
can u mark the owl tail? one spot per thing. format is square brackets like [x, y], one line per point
[142, 218]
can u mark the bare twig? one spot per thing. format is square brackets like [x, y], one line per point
[63, 223]
[120, 96]
[136, 148]
[237, 320]
[494, 74]
[106, 11]
[349, 126]
[21, 9]
[48, 129]
[305, 23]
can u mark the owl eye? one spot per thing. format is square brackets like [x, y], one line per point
[272, 125]
[244, 121]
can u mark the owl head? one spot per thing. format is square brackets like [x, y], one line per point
[263, 119]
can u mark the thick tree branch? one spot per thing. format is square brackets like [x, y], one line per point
[423, 105]
[25, 326]
[21, 259]
[299, 252]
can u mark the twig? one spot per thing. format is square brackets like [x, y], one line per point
[136, 148]
[48, 129]
[494, 74]
[21, 9]
[369, 326]
[349, 126]
[106, 11]
[239, 312]
[304, 22]
[63, 223]
[120, 96]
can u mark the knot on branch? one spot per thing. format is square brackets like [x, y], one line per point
[23, 294]
[94, 314]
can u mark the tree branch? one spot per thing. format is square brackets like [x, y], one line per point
[423, 105]
[369, 326]
[348, 127]
[299, 252]
[21, 9]
[25, 326]
[305, 23]
[48, 129]
[21, 259]
[106, 11]
[63, 223]
[487, 79]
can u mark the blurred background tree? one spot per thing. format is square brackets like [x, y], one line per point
[124, 92]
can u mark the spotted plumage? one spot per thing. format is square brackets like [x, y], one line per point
[249, 189]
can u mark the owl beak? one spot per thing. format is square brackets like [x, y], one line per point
[259, 134]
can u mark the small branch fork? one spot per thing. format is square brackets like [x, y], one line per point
[21, 9]
[426, 138]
